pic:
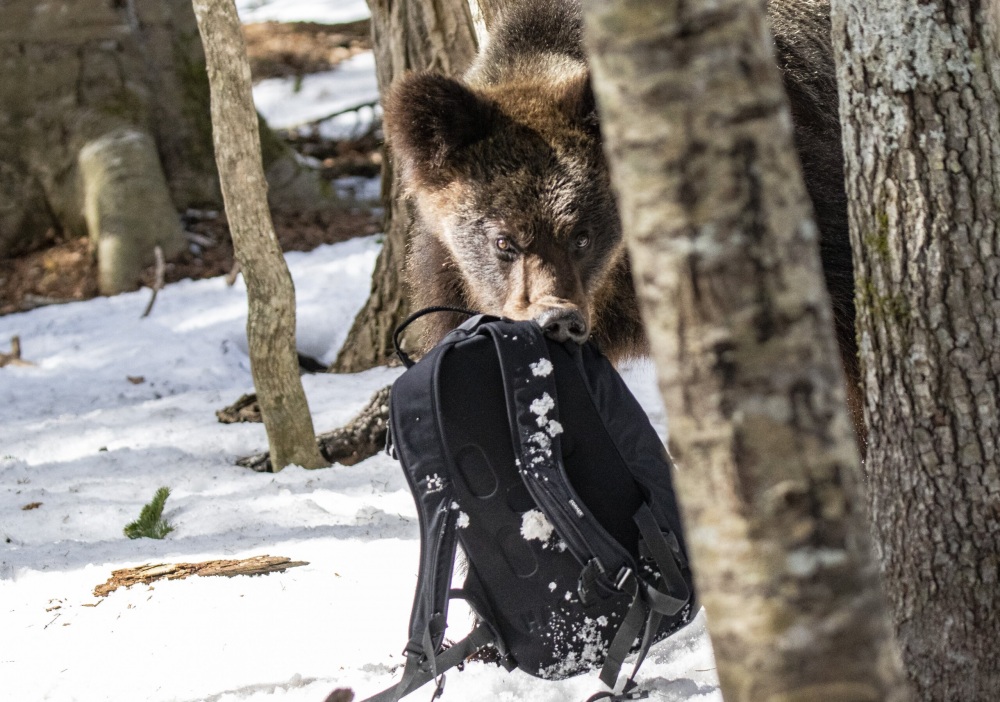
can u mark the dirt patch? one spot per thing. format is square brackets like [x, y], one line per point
[211, 249]
[67, 271]
[282, 50]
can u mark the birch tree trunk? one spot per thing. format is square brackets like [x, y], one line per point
[270, 295]
[725, 256]
[420, 35]
[920, 104]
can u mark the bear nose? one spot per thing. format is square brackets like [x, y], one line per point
[563, 324]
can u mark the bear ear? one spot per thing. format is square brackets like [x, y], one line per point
[577, 102]
[428, 120]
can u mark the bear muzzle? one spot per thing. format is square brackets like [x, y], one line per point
[563, 324]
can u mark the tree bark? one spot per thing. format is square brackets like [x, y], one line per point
[920, 104]
[270, 294]
[719, 226]
[422, 35]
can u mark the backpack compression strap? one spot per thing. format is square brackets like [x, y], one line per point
[649, 604]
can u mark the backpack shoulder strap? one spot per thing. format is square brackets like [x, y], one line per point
[413, 421]
[530, 389]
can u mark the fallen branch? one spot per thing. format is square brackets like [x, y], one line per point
[148, 573]
[313, 123]
[14, 357]
[233, 274]
[30, 301]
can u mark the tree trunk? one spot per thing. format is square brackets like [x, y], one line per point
[725, 258]
[270, 295]
[422, 35]
[920, 103]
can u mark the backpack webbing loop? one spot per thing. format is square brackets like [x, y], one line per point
[420, 670]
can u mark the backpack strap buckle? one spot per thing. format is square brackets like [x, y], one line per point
[586, 583]
[623, 578]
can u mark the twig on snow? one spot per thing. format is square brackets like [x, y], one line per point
[161, 268]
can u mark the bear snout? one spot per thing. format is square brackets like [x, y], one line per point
[563, 324]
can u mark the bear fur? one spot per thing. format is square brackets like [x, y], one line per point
[514, 211]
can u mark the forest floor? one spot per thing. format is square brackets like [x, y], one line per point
[66, 269]
[106, 406]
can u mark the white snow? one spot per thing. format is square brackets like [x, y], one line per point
[542, 405]
[535, 526]
[92, 447]
[540, 368]
[322, 11]
[289, 102]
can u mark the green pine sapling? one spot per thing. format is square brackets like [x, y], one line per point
[150, 523]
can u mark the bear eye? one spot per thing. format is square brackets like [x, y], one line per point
[505, 247]
[582, 241]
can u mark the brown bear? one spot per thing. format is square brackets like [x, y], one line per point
[514, 208]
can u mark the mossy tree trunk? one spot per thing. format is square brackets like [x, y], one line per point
[431, 35]
[920, 103]
[270, 294]
[726, 262]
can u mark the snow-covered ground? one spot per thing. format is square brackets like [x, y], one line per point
[286, 102]
[116, 406]
[324, 11]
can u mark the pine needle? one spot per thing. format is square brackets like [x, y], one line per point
[150, 524]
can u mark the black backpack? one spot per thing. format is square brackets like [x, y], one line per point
[537, 459]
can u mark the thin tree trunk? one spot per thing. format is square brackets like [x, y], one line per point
[421, 35]
[270, 295]
[725, 257]
[920, 102]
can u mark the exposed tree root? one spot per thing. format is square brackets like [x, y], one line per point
[361, 438]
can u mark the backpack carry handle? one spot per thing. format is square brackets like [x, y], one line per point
[402, 355]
